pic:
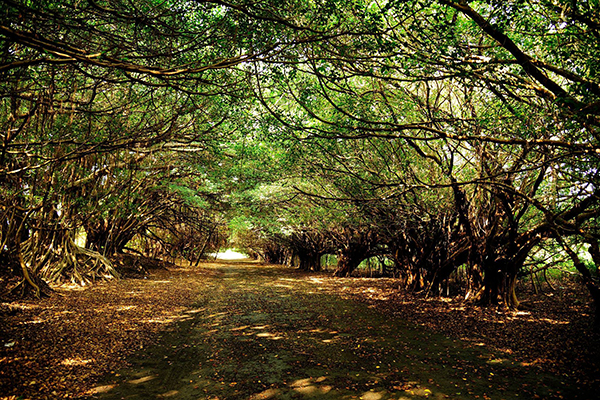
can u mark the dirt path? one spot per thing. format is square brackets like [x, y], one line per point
[266, 332]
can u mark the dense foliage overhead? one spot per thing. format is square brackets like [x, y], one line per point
[457, 142]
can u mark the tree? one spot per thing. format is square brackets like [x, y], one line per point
[438, 134]
[464, 95]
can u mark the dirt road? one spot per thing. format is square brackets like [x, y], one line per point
[260, 332]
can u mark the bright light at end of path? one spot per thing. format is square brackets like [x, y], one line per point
[231, 255]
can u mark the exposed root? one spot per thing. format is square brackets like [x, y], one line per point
[67, 261]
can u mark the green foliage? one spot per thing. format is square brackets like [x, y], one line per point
[450, 133]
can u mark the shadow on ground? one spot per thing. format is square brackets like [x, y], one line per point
[265, 332]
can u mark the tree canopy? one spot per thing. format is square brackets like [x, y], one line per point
[456, 141]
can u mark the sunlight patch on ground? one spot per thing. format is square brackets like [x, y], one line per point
[498, 361]
[142, 379]
[196, 311]
[554, 321]
[167, 319]
[75, 361]
[371, 395]
[35, 321]
[12, 307]
[239, 328]
[101, 389]
[290, 279]
[311, 387]
[74, 287]
[269, 335]
[282, 285]
[219, 314]
[125, 308]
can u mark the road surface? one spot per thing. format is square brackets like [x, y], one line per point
[267, 332]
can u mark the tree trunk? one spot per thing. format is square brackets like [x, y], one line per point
[309, 261]
[348, 261]
[499, 284]
[107, 239]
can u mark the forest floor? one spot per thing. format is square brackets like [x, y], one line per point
[241, 330]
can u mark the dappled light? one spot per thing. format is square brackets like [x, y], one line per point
[100, 389]
[167, 319]
[299, 199]
[311, 387]
[125, 308]
[217, 315]
[264, 332]
[257, 344]
[268, 335]
[195, 311]
[373, 396]
[141, 380]
[76, 361]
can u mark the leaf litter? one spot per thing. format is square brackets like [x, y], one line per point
[65, 346]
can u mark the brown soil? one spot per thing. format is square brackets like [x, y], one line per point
[58, 347]
[553, 330]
